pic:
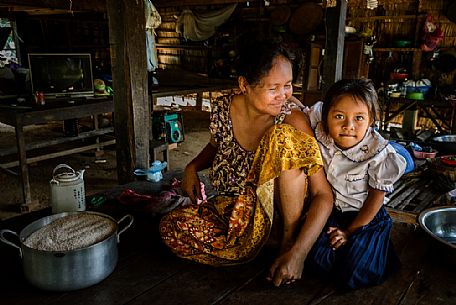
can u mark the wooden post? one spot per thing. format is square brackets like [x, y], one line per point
[132, 114]
[199, 101]
[21, 152]
[335, 36]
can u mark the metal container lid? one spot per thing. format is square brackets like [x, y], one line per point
[66, 177]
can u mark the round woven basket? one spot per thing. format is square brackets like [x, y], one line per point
[280, 15]
[306, 18]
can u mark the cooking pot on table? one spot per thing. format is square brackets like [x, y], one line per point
[445, 144]
[68, 270]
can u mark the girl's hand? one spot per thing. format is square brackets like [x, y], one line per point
[337, 237]
[191, 184]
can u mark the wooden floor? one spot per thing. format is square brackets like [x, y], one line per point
[148, 273]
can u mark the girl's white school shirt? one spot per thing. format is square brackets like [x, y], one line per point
[371, 163]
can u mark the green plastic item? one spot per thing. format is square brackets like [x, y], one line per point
[402, 43]
[415, 96]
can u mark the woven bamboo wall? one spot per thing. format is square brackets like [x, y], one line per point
[173, 51]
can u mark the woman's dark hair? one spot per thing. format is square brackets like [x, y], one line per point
[256, 59]
[362, 90]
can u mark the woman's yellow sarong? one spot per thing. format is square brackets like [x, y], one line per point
[231, 230]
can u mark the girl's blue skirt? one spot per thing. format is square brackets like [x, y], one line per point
[366, 259]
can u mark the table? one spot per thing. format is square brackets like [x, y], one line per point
[54, 110]
[180, 82]
[433, 109]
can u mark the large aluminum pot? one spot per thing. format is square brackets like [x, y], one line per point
[440, 223]
[68, 270]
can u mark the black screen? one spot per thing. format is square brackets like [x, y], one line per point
[61, 74]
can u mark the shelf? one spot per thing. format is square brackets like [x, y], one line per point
[397, 49]
[179, 46]
[384, 18]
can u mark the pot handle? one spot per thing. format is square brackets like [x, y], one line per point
[126, 226]
[60, 166]
[6, 241]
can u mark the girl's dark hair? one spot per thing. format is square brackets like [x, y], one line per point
[256, 59]
[360, 89]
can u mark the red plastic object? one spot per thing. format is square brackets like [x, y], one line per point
[424, 155]
[398, 75]
[449, 160]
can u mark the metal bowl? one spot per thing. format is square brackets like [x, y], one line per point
[440, 224]
[445, 144]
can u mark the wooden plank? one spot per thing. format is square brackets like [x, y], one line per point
[201, 284]
[79, 110]
[434, 283]
[405, 18]
[334, 49]
[413, 193]
[398, 197]
[20, 142]
[427, 200]
[418, 50]
[260, 291]
[180, 3]
[61, 140]
[80, 5]
[58, 154]
[136, 61]
[402, 216]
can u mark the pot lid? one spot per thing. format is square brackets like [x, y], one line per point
[66, 177]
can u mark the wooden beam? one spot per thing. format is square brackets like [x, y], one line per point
[334, 50]
[131, 106]
[76, 5]
[180, 3]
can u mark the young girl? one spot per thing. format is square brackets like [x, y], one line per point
[361, 166]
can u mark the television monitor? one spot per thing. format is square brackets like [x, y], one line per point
[61, 74]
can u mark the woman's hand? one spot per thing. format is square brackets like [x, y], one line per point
[337, 237]
[286, 269]
[191, 184]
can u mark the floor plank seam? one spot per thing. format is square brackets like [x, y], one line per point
[153, 286]
[230, 291]
[318, 299]
[409, 287]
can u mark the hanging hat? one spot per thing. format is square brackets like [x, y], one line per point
[280, 15]
[306, 18]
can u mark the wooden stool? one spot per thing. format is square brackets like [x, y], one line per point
[160, 147]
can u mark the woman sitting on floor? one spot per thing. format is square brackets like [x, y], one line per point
[261, 147]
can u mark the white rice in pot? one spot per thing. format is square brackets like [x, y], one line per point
[71, 232]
